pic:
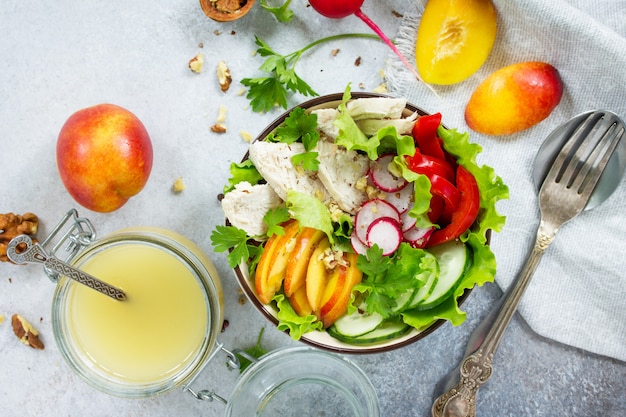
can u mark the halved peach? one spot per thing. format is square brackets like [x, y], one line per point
[270, 271]
[454, 39]
[298, 262]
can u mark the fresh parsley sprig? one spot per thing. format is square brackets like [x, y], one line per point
[384, 277]
[300, 126]
[266, 92]
[282, 13]
[235, 240]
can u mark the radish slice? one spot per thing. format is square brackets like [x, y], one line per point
[401, 199]
[408, 222]
[370, 211]
[386, 233]
[383, 178]
[359, 247]
[418, 237]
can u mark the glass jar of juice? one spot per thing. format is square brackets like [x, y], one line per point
[165, 329]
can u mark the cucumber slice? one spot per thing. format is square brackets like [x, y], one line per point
[356, 324]
[453, 259]
[403, 301]
[425, 291]
[386, 331]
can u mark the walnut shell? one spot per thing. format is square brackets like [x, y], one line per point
[226, 10]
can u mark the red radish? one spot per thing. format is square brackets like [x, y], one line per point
[370, 211]
[402, 199]
[383, 178]
[385, 233]
[418, 236]
[337, 9]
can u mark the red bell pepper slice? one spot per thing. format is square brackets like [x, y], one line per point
[450, 195]
[429, 166]
[435, 209]
[425, 135]
[466, 211]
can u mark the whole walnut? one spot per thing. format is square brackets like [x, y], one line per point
[12, 225]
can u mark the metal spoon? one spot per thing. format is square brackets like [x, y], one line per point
[21, 250]
[573, 173]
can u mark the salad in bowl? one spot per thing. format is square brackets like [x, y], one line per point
[359, 223]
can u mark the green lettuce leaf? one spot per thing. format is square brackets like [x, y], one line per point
[310, 212]
[448, 310]
[289, 320]
[240, 172]
[350, 136]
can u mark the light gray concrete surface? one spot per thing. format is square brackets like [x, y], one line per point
[62, 56]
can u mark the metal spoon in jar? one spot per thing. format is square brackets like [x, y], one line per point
[576, 168]
[21, 250]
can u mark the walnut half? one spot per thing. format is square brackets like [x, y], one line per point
[26, 332]
[12, 225]
[226, 10]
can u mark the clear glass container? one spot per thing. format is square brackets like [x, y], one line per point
[305, 382]
[161, 335]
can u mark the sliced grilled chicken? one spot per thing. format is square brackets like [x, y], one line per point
[340, 171]
[273, 161]
[246, 205]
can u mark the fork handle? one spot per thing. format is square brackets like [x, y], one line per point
[476, 366]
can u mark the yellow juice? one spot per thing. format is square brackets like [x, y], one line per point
[156, 331]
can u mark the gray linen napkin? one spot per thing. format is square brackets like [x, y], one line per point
[578, 293]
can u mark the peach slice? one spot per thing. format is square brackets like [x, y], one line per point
[317, 275]
[270, 271]
[300, 303]
[336, 305]
[454, 39]
[298, 262]
[514, 98]
[332, 292]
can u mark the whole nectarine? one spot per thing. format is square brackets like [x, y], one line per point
[104, 156]
[514, 98]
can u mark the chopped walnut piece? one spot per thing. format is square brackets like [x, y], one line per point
[179, 185]
[357, 62]
[196, 63]
[12, 225]
[1, 318]
[218, 128]
[223, 76]
[26, 332]
[334, 52]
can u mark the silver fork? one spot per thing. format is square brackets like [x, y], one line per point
[566, 190]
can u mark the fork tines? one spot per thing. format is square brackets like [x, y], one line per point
[588, 150]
